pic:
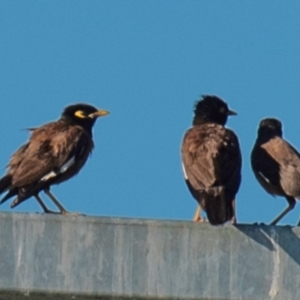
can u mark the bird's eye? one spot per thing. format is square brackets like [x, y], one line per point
[80, 114]
[222, 110]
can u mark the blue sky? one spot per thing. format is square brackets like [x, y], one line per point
[147, 62]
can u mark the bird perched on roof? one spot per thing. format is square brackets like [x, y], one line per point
[276, 164]
[211, 161]
[54, 153]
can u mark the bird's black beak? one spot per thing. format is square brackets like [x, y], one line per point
[231, 113]
[99, 113]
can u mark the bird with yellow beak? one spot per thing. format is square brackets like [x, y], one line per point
[54, 153]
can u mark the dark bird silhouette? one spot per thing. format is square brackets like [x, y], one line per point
[54, 153]
[276, 164]
[211, 161]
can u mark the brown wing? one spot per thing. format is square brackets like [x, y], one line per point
[17, 158]
[49, 148]
[276, 165]
[211, 157]
[28, 162]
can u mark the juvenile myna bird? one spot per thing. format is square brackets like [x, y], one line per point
[211, 161]
[54, 153]
[276, 164]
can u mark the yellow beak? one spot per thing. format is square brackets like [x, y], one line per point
[99, 113]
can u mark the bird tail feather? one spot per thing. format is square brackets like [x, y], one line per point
[218, 209]
[11, 193]
[5, 182]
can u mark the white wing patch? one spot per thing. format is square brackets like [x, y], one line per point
[63, 169]
[264, 177]
[184, 172]
[67, 165]
[49, 175]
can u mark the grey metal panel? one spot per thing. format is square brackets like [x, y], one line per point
[100, 258]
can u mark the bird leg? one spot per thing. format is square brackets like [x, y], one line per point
[42, 204]
[63, 211]
[197, 217]
[233, 219]
[292, 203]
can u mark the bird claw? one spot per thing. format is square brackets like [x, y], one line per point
[67, 213]
[200, 220]
[48, 211]
[233, 221]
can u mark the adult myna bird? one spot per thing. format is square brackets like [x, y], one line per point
[211, 161]
[54, 153]
[276, 164]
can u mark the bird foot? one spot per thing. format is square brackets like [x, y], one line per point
[67, 213]
[233, 221]
[200, 220]
[259, 224]
[48, 211]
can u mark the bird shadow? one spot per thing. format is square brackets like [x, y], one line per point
[286, 237]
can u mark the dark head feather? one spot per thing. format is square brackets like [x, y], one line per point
[70, 110]
[211, 109]
[81, 114]
[269, 127]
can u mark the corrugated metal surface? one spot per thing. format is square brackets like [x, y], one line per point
[62, 257]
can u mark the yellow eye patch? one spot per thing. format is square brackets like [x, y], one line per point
[80, 114]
